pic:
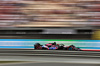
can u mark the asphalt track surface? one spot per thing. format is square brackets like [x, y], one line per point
[52, 64]
[50, 57]
[59, 53]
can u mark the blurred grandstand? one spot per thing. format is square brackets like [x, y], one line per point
[74, 17]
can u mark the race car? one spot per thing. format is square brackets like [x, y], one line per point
[54, 46]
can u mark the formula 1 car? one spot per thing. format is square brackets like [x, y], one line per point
[54, 46]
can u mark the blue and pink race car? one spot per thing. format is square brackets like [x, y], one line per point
[54, 46]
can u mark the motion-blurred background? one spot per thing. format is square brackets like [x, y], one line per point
[50, 19]
[72, 22]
